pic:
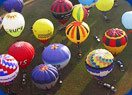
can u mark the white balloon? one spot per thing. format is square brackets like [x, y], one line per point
[13, 23]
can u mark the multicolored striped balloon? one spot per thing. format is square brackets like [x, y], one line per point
[62, 10]
[77, 32]
[115, 40]
[9, 69]
[56, 54]
[45, 76]
[79, 12]
[99, 63]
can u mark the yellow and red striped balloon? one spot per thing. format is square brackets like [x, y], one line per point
[77, 32]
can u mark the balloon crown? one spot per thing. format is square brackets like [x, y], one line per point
[54, 46]
[61, 1]
[19, 44]
[11, 15]
[43, 68]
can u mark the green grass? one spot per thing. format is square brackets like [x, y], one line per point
[76, 79]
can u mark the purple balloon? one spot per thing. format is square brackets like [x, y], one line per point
[17, 5]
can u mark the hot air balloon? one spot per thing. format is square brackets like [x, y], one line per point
[99, 63]
[115, 40]
[45, 76]
[23, 52]
[127, 20]
[43, 30]
[77, 32]
[87, 3]
[1, 2]
[79, 12]
[8, 69]
[62, 10]
[0, 22]
[13, 23]
[129, 1]
[17, 5]
[56, 54]
[104, 5]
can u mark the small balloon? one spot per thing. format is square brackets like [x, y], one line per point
[17, 5]
[9, 69]
[45, 76]
[13, 23]
[79, 12]
[23, 52]
[62, 10]
[104, 5]
[43, 30]
[56, 54]
[127, 20]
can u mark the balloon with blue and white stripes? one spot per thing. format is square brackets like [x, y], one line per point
[45, 76]
[9, 69]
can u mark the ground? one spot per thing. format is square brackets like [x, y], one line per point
[76, 79]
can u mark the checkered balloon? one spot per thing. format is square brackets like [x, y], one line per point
[9, 68]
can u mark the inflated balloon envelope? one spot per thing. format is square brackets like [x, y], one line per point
[104, 5]
[43, 29]
[13, 23]
[17, 5]
[99, 63]
[115, 40]
[79, 12]
[127, 20]
[62, 10]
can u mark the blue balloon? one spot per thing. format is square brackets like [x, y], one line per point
[1, 2]
[45, 76]
[127, 20]
[2, 93]
[87, 2]
[57, 55]
[17, 5]
[129, 1]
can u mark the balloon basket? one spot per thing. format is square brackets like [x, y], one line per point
[60, 78]
[79, 52]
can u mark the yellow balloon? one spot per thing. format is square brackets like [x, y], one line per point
[104, 5]
[78, 12]
[43, 29]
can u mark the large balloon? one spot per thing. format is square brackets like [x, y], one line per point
[127, 20]
[45, 76]
[23, 52]
[56, 54]
[43, 30]
[17, 5]
[79, 12]
[104, 5]
[9, 69]
[115, 40]
[13, 23]
[62, 10]
[99, 63]
[77, 32]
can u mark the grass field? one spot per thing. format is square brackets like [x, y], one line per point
[76, 79]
